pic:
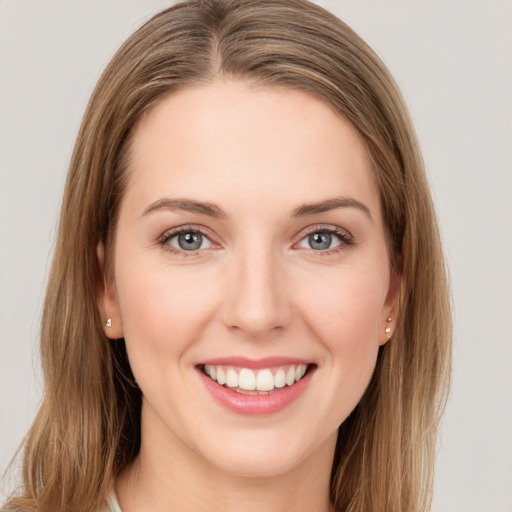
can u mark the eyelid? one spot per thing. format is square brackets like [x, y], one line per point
[346, 238]
[329, 228]
[187, 228]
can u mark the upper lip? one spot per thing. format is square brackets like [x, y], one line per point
[246, 362]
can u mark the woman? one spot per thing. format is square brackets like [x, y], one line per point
[248, 304]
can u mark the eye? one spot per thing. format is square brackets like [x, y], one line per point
[325, 239]
[320, 241]
[188, 241]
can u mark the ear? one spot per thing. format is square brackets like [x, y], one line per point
[107, 300]
[390, 309]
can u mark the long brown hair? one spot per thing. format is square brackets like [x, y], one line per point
[88, 426]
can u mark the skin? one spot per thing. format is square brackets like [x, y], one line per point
[257, 288]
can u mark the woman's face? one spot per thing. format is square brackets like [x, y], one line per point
[250, 249]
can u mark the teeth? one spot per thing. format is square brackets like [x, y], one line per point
[279, 379]
[211, 371]
[232, 378]
[247, 380]
[264, 380]
[290, 376]
[299, 372]
[221, 376]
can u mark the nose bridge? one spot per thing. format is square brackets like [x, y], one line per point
[257, 300]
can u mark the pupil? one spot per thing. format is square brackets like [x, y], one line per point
[320, 241]
[190, 241]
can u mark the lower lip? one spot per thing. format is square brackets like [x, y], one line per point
[256, 405]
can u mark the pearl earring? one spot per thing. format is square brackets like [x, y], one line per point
[388, 329]
[108, 323]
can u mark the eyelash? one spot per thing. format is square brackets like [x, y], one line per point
[168, 235]
[343, 236]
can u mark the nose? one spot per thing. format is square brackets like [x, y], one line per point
[257, 301]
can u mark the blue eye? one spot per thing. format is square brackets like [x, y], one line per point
[322, 240]
[189, 241]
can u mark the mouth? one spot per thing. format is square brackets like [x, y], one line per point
[249, 381]
[256, 387]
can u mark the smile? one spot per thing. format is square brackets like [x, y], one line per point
[250, 387]
[255, 382]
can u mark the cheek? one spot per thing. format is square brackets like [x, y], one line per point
[343, 313]
[163, 310]
[345, 306]
[345, 320]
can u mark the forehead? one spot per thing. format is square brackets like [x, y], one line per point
[231, 141]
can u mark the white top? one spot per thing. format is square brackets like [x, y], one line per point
[112, 504]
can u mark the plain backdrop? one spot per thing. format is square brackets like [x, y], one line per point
[453, 61]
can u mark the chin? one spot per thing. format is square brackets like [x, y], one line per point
[258, 463]
[267, 454]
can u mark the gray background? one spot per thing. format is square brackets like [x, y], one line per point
[452, 60]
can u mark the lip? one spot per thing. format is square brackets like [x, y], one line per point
[245, 362]
[256, 405]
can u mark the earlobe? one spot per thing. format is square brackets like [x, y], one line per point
[386, 332]
[107, 300]
[390, 310]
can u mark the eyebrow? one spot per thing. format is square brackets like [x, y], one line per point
[214, 211]
[330, 204]
[188, 205]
